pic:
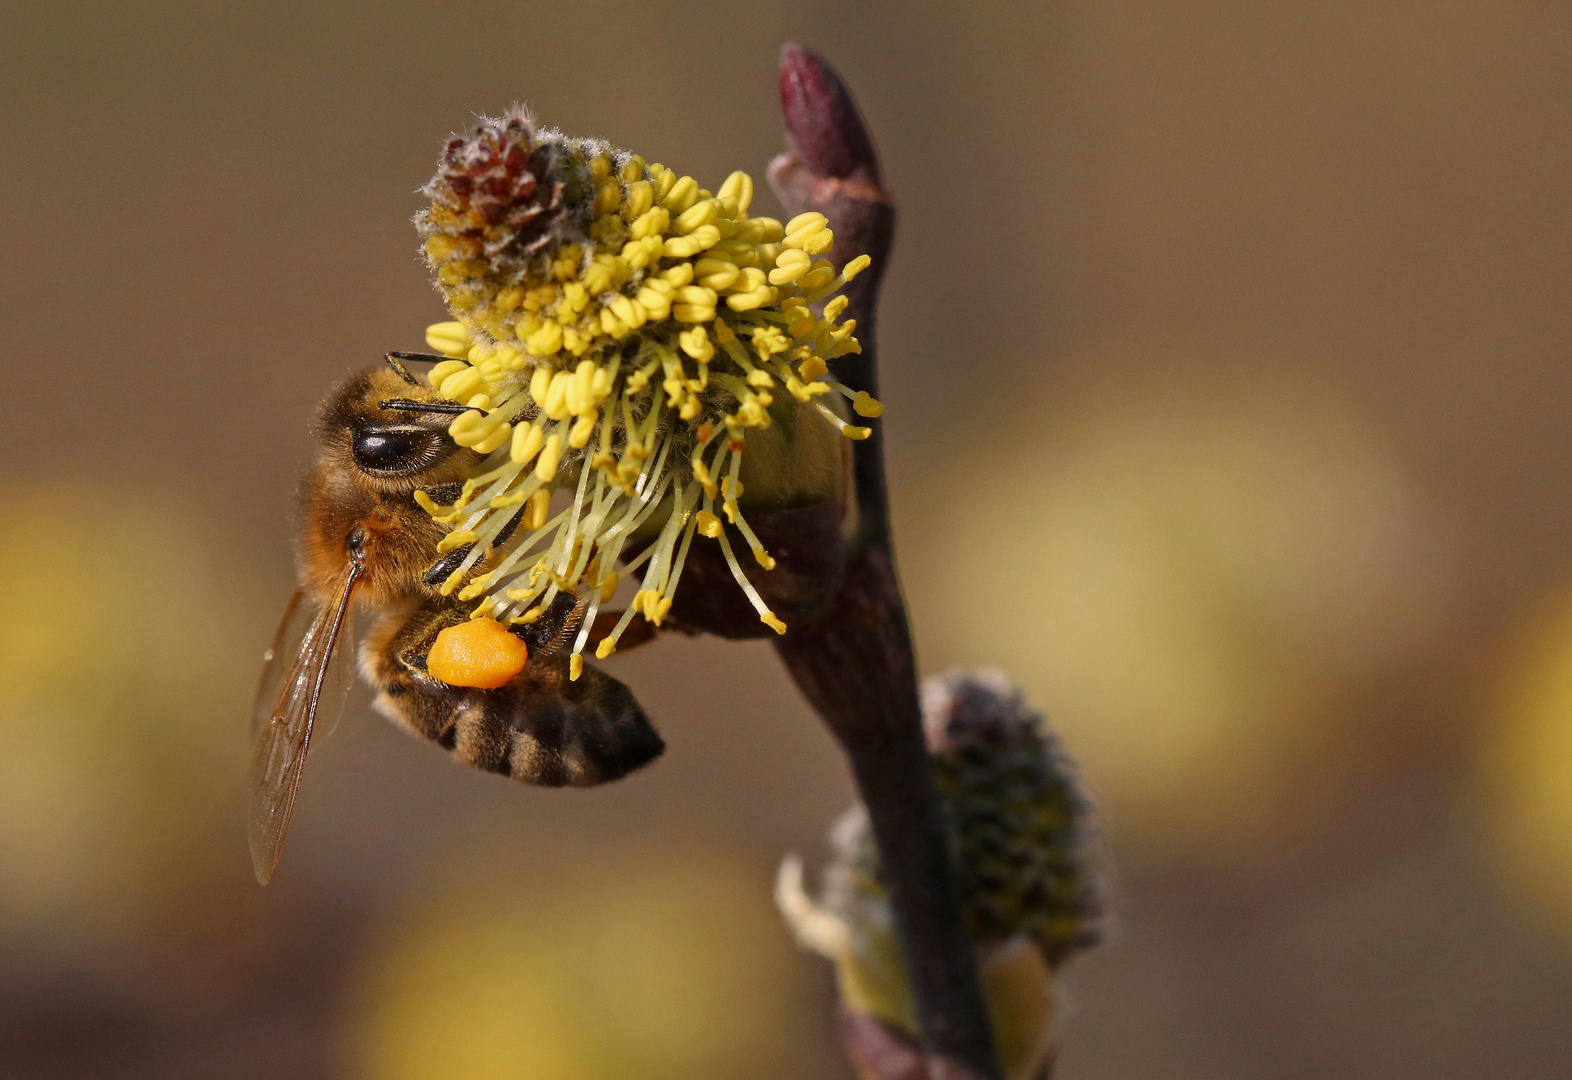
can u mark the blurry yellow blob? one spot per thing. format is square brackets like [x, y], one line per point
[1527, 762]
[121, 707]
[658, 970]
[1186, 582]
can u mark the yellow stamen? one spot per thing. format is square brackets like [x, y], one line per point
[642, 269]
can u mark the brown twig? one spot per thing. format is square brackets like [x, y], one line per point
[855, 662]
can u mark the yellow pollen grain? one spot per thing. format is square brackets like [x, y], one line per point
[866, 405]
[455, 540]
[440, 372]
[715, 273]
[625, 321]
[638, 200]
[768, 341]
[448, 338]
[583, 430]
[538, 507]
[816, 278]
[550, 457]
[527, 441]
[812, 368]
[738, 186]
[463, 385]
[790, 266]
[556, 404]
[494, 440]
[683, 194]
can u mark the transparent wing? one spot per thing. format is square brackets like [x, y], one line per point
[340, 677]
[278, 661]
[299, 680]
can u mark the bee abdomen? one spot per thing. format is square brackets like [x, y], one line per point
[542, 727]
[590, 732]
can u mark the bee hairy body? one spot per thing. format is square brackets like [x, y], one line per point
[542, 727]
[338, 494]
[364, 543]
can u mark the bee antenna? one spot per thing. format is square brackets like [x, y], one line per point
[406, 405]
[403, 372]
[396, 355]
[421, 357]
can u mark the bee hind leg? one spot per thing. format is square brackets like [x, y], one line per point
[542, 727]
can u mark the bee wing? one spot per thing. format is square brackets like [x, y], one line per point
[295, 684]
[278, 662]
[298, 617]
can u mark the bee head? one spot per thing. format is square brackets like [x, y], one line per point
[391, 434]
[381, 439]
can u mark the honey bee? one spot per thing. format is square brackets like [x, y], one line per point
[363, 542]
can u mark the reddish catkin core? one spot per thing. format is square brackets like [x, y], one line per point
[479, 653]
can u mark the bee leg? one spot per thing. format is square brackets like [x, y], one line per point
[392, 657]
[542, 727]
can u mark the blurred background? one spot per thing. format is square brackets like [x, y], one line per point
[1226, 353]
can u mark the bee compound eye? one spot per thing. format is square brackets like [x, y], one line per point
[395, 450]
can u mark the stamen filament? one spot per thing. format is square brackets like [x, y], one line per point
[710, 310]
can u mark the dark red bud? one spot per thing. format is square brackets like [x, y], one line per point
[822, 118]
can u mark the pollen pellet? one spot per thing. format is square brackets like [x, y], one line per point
[478, 653]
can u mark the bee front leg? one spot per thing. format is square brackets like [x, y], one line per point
[542, 727]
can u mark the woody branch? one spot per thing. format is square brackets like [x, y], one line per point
[855, 663]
